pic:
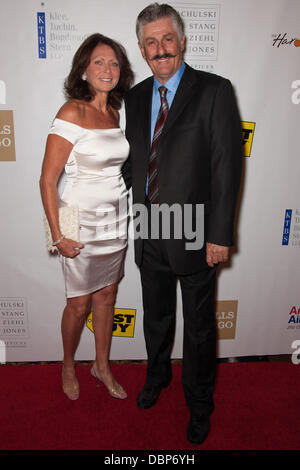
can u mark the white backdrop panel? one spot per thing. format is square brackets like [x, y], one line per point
[251, 42]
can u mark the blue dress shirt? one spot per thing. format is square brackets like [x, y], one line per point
[171, 86]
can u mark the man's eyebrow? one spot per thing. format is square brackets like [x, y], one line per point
[151, 38]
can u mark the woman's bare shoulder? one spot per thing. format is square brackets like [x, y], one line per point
[72, 111]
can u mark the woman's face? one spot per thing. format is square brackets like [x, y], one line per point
[103, 71]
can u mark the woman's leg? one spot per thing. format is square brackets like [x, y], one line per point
[103, 311]
[73, 320]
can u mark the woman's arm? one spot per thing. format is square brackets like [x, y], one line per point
[56, 155]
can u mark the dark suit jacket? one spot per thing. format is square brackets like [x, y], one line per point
[199, 157]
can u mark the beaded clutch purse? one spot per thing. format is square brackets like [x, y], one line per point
[68, 223]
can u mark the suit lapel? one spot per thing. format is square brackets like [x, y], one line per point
[182, 97]
[145, 103]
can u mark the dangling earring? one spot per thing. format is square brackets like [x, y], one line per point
[83, 77]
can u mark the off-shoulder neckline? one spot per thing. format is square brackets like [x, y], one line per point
[87, 128]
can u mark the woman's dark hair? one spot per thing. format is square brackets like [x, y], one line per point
[76, 88]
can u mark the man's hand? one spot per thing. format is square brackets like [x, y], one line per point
[216, 254]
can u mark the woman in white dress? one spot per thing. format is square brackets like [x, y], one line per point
[85, 140]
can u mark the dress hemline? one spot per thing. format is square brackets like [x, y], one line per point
[70, 295]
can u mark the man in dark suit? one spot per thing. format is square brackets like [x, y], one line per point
[185, 137]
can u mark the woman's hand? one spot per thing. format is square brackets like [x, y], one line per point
[69, 248]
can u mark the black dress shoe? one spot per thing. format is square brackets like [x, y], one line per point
[198, 429]
[149, 394]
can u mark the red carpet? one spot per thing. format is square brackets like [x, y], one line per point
[257, 407]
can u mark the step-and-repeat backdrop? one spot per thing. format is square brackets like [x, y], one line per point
[254, 43]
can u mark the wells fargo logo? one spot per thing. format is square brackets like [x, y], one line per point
[247, 135]
[7, 138]
[123, 325]
[226, 315]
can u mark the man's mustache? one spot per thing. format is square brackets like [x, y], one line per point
[164, 56]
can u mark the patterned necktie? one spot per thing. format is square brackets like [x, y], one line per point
[152, 172]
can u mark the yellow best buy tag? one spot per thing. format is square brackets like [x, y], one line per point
[123, 324]
[247, 133]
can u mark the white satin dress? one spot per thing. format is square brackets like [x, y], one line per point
[95, 185]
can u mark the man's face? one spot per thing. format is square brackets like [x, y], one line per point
[161, 48]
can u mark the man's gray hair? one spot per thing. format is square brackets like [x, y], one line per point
[154, 12]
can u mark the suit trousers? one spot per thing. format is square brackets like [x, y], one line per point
[159, 287]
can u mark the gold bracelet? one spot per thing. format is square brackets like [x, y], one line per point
[58, 241]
